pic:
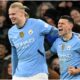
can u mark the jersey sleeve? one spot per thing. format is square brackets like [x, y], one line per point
[52, 36]
[78, 50]
[14, 59]
[78, 44]
[53, 48]
[45, 28]
[10, 38]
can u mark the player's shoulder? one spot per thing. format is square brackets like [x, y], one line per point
[58, 40]
[35, 20]
[32, 19]
[77, 35]
[12, 29]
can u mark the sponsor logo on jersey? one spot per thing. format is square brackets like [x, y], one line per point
[25, 44]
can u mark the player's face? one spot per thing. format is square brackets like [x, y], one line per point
[15, 15]
[64, 27]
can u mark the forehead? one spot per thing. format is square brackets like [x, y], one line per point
[16, 9]
[2, 46]
[44, 7]
[73, 11]
[63, 21]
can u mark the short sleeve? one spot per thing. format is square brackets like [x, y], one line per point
[44, 28]
[10, 39]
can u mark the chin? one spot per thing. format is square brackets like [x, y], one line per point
[60, 34]
[13, 22]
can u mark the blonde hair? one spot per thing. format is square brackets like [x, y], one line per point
[48, 4]
[20, 6]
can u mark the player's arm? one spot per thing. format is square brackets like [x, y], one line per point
[14, 59]
[52, 35]
[45, 28]
[48, 30]
[52, 51]
[73, 70]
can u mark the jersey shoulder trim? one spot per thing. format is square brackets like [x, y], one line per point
[78, 35]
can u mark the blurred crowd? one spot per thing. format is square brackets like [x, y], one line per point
[49, 11]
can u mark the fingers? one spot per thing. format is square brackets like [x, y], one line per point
[71, 67]
[71, 70]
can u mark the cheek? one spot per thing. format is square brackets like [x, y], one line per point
[73, 16]
[65, 28]
[68, 29]
[9, 68]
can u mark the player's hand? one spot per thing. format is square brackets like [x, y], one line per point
[72, 70]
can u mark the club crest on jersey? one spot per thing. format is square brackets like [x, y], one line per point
[21, 34]
[63, 46]
[30, 32]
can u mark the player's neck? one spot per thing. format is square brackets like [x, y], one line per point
[67, 36]
[22, 23]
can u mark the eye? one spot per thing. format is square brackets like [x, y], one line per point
[13, 13]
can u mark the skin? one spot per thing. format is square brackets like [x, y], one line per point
[65, 28]
[10, 69]
[2, 51]
[72, 70]
[17, 16]
[55, 63]
[53, 74]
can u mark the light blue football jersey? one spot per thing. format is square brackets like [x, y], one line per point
[69, 55]
[28, 53]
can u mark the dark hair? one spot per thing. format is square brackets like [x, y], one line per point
[9, 60]
[68, 18]
[2, 42]
[75, 8]
[53, 14]
[2, 13]
[52, 58]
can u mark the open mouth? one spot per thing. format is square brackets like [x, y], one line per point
[60, 29]
[13, 19]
